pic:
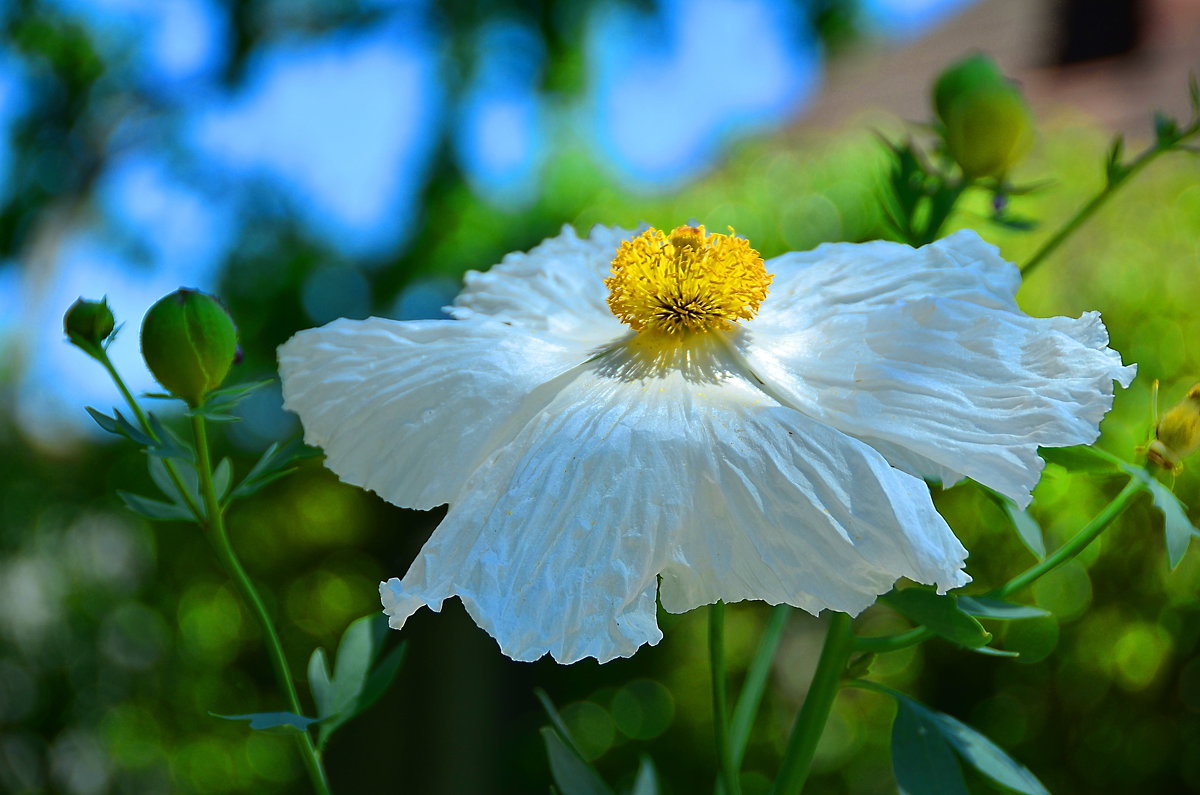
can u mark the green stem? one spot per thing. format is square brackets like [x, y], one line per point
[224, 550]
[1115, 181]
[1068, 551]
[755, 683]
[728, 774]
[1090, 532]
[144, 421]
[810, 723]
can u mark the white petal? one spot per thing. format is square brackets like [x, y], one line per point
[796, 512]
[836, 278]
[965, 387]
[410, 409]
[556, 287]
[640, 467]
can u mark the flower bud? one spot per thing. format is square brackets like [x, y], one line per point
[988, 125]
[189, 342]
[89, 323]
[1178, 433]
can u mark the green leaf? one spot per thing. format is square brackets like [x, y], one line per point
[357, 681]
[228, 397]
[556, 720]
[118, 425]
[985, 756]
[646, 782]
[187, 476]
[1166, 130]
[382, 676]
[572, 775]
[319, 683]
[1028, 530]
[986, 607]
[972, 747]
[988, 651]
[941, 614]
[922, 760]
[1081, 458]
[277, 722]
[155, 509]
[222, 478]
[1178, 528]
[169, 445]
[272, 465]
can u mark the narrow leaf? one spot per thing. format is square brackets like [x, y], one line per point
[187, 476]
[556, 720]
[169, 445]
[986, 607]
[155, 509]
[1178, 528]
[280, 722]
[989, 651]
[230, 396]
[646, 782]
[1028, 530]
[985, 756]
[1081, 458]
[755, 682]
[941, 614]
[976, 750]
[355, 655]
[381, 677]
[922, 760]
[572, 775]
[319, 684]
[222, 478]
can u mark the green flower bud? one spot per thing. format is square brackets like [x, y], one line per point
[89, 323]
[1178, 433]
[189, 342]
[988, 125]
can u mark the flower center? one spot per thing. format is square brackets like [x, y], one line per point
[686, 281]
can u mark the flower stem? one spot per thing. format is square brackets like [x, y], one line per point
[810, 723]
[755, 683]
[1089, 533]
[727, 770]
[1115, 180]
[216, 527]
[102, 356]
[1080, 541]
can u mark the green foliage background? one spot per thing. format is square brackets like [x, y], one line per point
[118, 636]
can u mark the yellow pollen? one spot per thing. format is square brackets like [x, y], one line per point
[686, 281]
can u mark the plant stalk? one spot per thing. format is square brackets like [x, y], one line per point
[810, 723]
[220, 540]
[727, 770]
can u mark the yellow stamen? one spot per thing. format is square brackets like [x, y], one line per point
[687, 281]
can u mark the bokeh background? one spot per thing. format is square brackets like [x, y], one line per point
[314, 159]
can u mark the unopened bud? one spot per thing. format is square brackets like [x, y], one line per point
[89, 323]
[988, 125]
[1178, 433]
[189, 342]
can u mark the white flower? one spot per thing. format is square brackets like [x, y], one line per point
[714, 454]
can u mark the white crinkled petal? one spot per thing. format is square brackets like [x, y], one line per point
[410, 409]
[638, 468]
[556, 287]
[796, 512]
[838, 278]
[956, 385]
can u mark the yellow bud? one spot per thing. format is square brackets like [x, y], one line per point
[988, 125]
[1178, 433]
